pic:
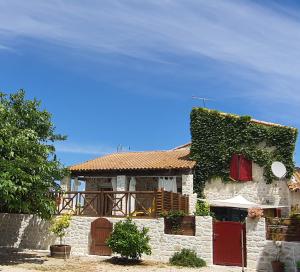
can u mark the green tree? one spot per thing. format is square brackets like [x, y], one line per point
[28, 165]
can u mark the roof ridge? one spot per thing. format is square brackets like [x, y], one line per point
[253, 120]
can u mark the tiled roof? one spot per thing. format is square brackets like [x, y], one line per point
[170, 159]
[295, 184]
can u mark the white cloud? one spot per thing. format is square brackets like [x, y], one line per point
[260, 43]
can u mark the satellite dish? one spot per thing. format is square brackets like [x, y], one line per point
[278, 169]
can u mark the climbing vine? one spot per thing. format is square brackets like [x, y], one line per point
[217, 136]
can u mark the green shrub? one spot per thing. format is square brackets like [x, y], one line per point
[187, 257]
[202, 208]
[127, 240]
[298, 264]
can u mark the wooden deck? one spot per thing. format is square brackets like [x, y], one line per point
[120, 203]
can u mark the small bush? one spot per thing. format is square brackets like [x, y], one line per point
[202, 209]
[127, 240]
[187, 257]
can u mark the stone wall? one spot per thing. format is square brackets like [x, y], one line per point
[24, 231]
[276, 193]
[261, 252]
[29, 231]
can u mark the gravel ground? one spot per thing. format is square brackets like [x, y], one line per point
[29, 261]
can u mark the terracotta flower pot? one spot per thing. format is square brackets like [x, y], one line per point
[60, 251]
[277, 266]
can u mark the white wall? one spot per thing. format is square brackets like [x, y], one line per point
[29, 231]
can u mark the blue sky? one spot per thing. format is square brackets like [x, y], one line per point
[123, 72]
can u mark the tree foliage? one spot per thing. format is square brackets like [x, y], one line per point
[59, 225]
[202, 209]
[217, 136]
[28, 165]
[127, 240]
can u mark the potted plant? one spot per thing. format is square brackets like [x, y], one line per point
[277, 265]
[59, 226]
[298, 266]
[255, 213]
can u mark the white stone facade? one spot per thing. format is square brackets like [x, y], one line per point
[31, 232]
[257, 190]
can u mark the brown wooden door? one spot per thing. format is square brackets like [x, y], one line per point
[101, 229]
[228, 245]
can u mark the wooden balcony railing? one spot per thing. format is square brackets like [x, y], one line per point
[120, 203]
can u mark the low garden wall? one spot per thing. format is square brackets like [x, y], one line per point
[31, 232]
[261, 252]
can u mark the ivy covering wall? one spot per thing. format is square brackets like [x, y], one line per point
[217, 136]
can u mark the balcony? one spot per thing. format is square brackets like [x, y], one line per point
[148, 204]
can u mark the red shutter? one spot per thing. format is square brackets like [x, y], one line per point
[234, 167]
[240, 168]
[245, 169]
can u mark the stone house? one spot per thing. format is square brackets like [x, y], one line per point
[127, 183]
[173, 171]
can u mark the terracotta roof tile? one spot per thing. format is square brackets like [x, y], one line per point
[170, 159]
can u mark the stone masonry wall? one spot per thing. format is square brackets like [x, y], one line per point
[276, 193]
[261, 252]
[31, 232]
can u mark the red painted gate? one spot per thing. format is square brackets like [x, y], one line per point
[227, 243]
[101, 229]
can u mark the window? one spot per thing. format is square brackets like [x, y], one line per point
[240, 168]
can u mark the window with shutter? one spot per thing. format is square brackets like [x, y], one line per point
[240, 168]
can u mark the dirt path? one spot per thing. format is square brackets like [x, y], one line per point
[30, 261]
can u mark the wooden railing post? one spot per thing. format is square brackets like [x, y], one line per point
[187, 204]
[162, 200]
[129, 204]
[126, 204]
[154, 212]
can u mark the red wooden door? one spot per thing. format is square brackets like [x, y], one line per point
[227, 243]
[101, 229]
